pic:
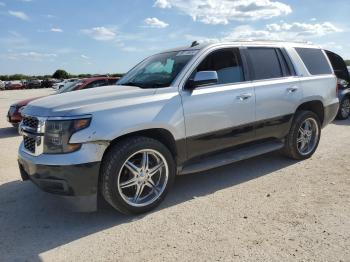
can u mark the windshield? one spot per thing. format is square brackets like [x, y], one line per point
[157, 71]
[69, 87]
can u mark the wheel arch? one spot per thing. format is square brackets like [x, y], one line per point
[162, 135]
[315, 106]
[176, 148]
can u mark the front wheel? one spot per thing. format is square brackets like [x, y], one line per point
[137, 174]
[304, 136]
[344, 109]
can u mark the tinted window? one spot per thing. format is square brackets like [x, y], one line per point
[264, 63]
[314, 60]
[226, 63]
[286, 63]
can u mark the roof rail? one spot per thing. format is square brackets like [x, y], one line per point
[272, 41]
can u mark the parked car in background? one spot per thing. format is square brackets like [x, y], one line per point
[64, 83]
[180, 111]
[33, 83]
[14, 112]
[47, 83]
[2, 85]
[343, 77]
[14, 85]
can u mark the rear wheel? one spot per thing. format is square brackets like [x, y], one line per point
[137, 174]
[344, 109]
[304, 135]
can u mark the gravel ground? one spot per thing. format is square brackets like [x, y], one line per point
[264, 209]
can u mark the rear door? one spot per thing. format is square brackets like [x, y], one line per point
[221, 115]
[277, 90]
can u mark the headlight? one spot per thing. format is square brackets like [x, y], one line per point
[58, 133]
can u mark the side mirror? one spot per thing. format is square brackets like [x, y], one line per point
[203, 78]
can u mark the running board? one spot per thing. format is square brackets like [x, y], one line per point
[230, 157]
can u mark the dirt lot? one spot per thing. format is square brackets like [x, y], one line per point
[264, 209]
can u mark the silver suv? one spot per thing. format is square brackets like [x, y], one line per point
[181, 111]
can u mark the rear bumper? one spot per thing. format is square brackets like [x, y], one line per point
[76, 184]
[330, 112]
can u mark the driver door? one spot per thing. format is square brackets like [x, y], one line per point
[220, 115]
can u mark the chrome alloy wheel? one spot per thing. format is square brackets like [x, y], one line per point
[143, 178]
[307, 136]
[345, 109]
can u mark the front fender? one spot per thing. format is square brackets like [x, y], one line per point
[164, 112]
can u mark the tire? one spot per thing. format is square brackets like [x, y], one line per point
[294, 141]
[344, 109]
[123, 176]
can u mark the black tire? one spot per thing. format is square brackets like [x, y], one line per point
[291, 144]
[342, 113]
[114, 161]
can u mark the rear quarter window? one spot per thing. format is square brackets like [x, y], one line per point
[315, 61]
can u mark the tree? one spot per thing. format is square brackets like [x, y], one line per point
[60, 74]
[347, 62]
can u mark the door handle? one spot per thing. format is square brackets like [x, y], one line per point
[243, 97]
[292, 89]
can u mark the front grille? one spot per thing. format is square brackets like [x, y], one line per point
[29, 144]
[32, 128]
[31, 122]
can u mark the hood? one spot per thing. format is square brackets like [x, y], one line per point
[25, 101]
[87, 101]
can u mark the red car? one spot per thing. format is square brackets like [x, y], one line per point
[14, 86]
[14, 113]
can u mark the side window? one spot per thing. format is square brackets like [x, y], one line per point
[314, 60]
[264, 63]
[227, 63]
[96, 83]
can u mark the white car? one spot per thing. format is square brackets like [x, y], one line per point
[2, 85]
[180, 111]
[63, 83]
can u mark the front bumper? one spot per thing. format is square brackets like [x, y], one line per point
[76, 184]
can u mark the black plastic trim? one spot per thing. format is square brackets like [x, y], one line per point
[330, 112]
[207, 143]
[70, 180]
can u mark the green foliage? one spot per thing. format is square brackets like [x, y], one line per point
[347, 62]
[60, 74]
